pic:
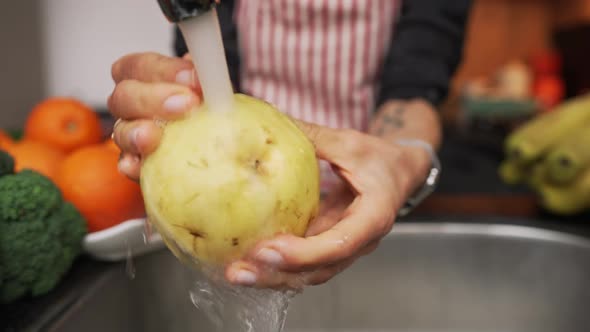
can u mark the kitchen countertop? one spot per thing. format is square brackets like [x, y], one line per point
[469, 173]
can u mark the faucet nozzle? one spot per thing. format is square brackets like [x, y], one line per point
[179, 10]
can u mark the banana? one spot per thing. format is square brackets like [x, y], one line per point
[533, 139]
[512, 173]
[537, 176]
[567, 200]
[570, 157]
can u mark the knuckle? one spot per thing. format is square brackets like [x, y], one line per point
[122, 92]
[140, 63]
[120, 68]
[150, 63]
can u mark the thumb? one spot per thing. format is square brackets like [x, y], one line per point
[331, 144]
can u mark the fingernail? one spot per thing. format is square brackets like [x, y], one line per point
[245, 277]
[270, 256]
[186, 77]
[124, 165]
[177, 103]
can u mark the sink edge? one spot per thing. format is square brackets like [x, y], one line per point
[488, 230]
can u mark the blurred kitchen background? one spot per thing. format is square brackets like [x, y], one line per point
[66, 48]
[523, 59]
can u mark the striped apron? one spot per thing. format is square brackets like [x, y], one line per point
[316, 60]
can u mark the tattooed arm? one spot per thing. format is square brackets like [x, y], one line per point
[410, 119]
[425, 52]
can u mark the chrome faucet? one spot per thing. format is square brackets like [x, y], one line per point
[180, 10]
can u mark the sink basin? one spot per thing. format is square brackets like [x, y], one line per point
[424, 277]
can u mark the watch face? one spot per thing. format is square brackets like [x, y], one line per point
[431, 179]
[422, 193]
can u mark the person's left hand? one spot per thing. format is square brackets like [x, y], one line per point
[377, 177]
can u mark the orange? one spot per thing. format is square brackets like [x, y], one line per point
[64, 123]
[5, 140]
[37, 156]
[89, 179]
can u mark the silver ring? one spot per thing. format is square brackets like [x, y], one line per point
[119, 120]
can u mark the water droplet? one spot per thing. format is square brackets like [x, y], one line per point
[129, 267]
[147, 231]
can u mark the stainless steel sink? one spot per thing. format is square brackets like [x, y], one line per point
[423, 277]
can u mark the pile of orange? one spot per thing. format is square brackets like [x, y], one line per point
[63, 139]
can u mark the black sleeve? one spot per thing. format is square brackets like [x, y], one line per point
[225, 12]
[426, 49]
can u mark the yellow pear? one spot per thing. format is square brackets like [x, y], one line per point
[220, 181]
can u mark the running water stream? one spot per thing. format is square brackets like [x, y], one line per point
[229, 307]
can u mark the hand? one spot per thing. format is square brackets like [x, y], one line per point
[148, 86]
[377, 176]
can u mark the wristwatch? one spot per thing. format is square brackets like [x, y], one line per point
[431, 180]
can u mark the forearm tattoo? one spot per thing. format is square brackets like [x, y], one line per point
[391, 120]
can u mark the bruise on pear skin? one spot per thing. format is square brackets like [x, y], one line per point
[235, 241]
[194, 232]
[269, 139]
[192, 198]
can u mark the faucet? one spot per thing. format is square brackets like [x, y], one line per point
[180, 10]
[198, 23]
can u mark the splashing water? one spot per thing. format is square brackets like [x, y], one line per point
[129, 266]
[240, 309]
[147, 231]
[229, 307]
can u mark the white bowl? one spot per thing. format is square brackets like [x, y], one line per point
[127, 239]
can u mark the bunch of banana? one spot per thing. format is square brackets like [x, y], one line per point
[551, 154]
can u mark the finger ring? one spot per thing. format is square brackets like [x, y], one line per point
[119, 120]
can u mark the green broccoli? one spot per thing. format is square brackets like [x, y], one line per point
[40, 241]
[6, 163]
[27, 195]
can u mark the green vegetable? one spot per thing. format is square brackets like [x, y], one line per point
[40, 235]
[6, 163]
[16, 133]
[27, 195]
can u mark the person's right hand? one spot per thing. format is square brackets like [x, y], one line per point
[148, 86]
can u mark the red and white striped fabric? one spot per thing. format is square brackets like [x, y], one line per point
[316, 60]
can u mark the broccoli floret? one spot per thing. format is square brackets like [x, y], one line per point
[37, 249]
[6, 163]
[27, 195]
